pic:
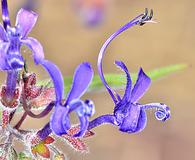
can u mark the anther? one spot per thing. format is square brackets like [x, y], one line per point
[146, 17]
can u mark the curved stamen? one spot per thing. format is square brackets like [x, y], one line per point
[139, 20]
[5, 14]
[162, 113]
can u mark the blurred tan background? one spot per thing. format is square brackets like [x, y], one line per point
[67, 43]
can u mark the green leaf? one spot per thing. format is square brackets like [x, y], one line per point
[118, 81]
[164, 71]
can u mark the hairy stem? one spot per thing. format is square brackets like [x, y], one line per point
[17, 126]
[5, 118]
[11, 115]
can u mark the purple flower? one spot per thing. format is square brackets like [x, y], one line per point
[129, 115]
[12, 38]
[60, 121]
[11, 60]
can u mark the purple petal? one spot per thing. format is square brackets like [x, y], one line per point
[90, 108]
[3, 53]
[135, 21]
[127, 94]
[102, 120]
[5, 14]
[66, 122]
[83, 110]
[83, 126]
[3, 35]
[57, 119]
[25, 21]
[142, 121]
[140, 87]
[72, 106]
[75, 104]
[14, 60]
[57, 78]
[36, 49]
[130, 122]
[82, 78]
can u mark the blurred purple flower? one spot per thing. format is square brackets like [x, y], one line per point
[92, 12]
[30, 5]
[129, 115]
[60, 121]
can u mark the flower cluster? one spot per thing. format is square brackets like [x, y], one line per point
[22, 92]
